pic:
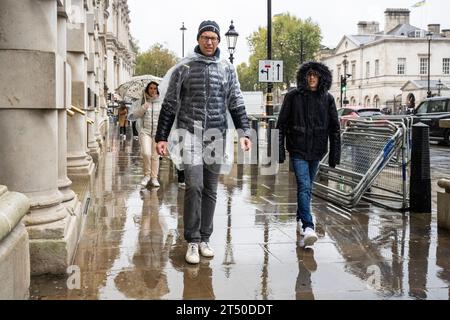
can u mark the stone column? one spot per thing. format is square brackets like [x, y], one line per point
[79, 163]
[29, 97]
[93, 146]
[64, 82]
[14, 246]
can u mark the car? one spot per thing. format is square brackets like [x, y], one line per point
[352, 112]
[430, 111]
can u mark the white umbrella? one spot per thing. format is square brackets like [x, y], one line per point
[134, 87]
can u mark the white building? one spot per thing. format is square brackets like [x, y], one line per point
[57, 57]
[381, 63]
[120, 55]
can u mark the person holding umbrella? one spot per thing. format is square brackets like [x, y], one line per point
[146, 115]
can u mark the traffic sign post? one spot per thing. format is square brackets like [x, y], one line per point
[270, 71]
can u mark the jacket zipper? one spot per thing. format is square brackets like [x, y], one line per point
[152, 120]
[207, 96]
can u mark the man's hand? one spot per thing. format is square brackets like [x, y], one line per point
[246, 144]
[161, 148]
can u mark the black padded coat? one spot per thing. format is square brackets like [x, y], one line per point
[308, 119]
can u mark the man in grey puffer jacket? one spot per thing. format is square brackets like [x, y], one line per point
[199, 94]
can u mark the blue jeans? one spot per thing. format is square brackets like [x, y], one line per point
[305, 172]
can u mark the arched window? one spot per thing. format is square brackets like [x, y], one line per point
[367, 101]
[353, 101]
[376, 101]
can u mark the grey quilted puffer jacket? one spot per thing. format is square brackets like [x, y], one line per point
[200, 91]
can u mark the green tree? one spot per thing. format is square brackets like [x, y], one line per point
[288, 34]
[156, 61]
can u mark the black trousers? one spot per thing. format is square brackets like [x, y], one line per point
[180, 174]
[135, 132]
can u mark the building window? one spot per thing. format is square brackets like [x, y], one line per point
[446, 66]
[367, 69]
[401, 66]
[339, 73]
[423, 66]
[377, 68]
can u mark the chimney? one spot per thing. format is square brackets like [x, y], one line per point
[394, 17]
[368, 27]
[446, 33]
[434, 28]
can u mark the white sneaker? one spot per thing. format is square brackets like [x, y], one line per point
[192, 255]
[144, 181]
[155, 182]
[181, 185]
[310, 237]
[206, 250]
[300, 228]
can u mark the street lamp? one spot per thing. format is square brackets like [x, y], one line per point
[344, 82]
[301, 48]
[429, 37]
[439, 86]
[232, 36]
[183, 29]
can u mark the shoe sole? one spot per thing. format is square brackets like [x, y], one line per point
[192, 262]
[310, 241]
[207, 256]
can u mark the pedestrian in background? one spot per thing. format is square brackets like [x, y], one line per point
[146, 115]
[123, 121]
[202, 92]
[307, 120]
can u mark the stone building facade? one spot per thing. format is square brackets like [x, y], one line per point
[59, 59]
[380, 63]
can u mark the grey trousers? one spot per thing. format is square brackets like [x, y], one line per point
[199, 202]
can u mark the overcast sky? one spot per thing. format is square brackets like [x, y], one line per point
[160, 21]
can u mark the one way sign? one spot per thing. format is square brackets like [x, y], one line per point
[270, 71]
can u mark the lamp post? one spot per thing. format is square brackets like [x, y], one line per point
[429, 37]
[301, 48]
[183, 29]
[439, 86]
[232, 36]
[269, 96]
[344, 82]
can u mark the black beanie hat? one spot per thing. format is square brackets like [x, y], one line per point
[208, 25]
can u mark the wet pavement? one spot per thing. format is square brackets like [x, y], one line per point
[132, 246]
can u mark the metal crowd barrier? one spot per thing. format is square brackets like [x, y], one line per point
[374, 165]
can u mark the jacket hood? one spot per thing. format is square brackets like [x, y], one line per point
[325, 80]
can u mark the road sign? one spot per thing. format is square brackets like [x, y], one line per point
[270, 71]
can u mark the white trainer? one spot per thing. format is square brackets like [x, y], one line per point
[192, 255]
[144, 181]
[181, 185]
[310, 237]
[155, 182]
[300, 228]
[206, 250]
